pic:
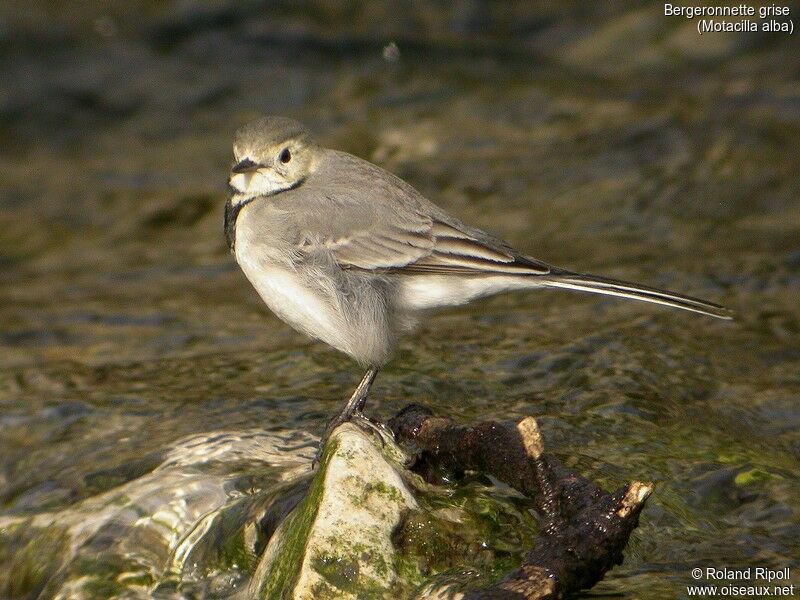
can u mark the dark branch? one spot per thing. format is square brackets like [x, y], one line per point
[584, 529]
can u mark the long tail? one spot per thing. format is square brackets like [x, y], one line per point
[626, 289]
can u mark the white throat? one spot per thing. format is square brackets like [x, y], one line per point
[263, 182]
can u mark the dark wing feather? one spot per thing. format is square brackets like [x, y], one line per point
[472, 252]
[429, 246]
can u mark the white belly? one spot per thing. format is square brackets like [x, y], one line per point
[291, 299]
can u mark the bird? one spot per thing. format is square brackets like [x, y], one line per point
[354, 256]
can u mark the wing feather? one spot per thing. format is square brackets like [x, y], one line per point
[470, 248]
[384, 224]
[429, 247]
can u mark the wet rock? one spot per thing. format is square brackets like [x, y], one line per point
[239, 514]
[337, 543]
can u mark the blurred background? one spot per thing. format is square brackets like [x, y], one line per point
[603, 137]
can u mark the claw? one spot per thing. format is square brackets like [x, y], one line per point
[372, 426]
[360, 420]
[329, 429]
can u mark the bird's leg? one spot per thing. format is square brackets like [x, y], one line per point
[358, 410]
[351, 409]
[357, 401]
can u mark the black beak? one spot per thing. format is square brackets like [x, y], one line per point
[246, 166]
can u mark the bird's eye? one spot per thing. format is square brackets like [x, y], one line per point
[285, 156]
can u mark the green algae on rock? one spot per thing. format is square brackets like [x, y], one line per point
[337, 542]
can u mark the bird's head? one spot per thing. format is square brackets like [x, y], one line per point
[272, 155]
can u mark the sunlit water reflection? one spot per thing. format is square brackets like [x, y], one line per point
[195, 524]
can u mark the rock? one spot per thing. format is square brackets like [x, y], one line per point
[337, 541]
[240, 514]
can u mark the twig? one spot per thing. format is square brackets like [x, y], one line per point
[584, 529]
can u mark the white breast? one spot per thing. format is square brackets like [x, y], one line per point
[289, 296]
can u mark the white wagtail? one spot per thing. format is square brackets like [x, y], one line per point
[349, 254]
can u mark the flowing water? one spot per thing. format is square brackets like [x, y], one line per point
[603, 137]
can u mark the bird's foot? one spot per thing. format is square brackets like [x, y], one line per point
[360, 420]
[372, 426]
[329, 429]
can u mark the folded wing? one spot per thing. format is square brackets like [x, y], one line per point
[425, 245]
